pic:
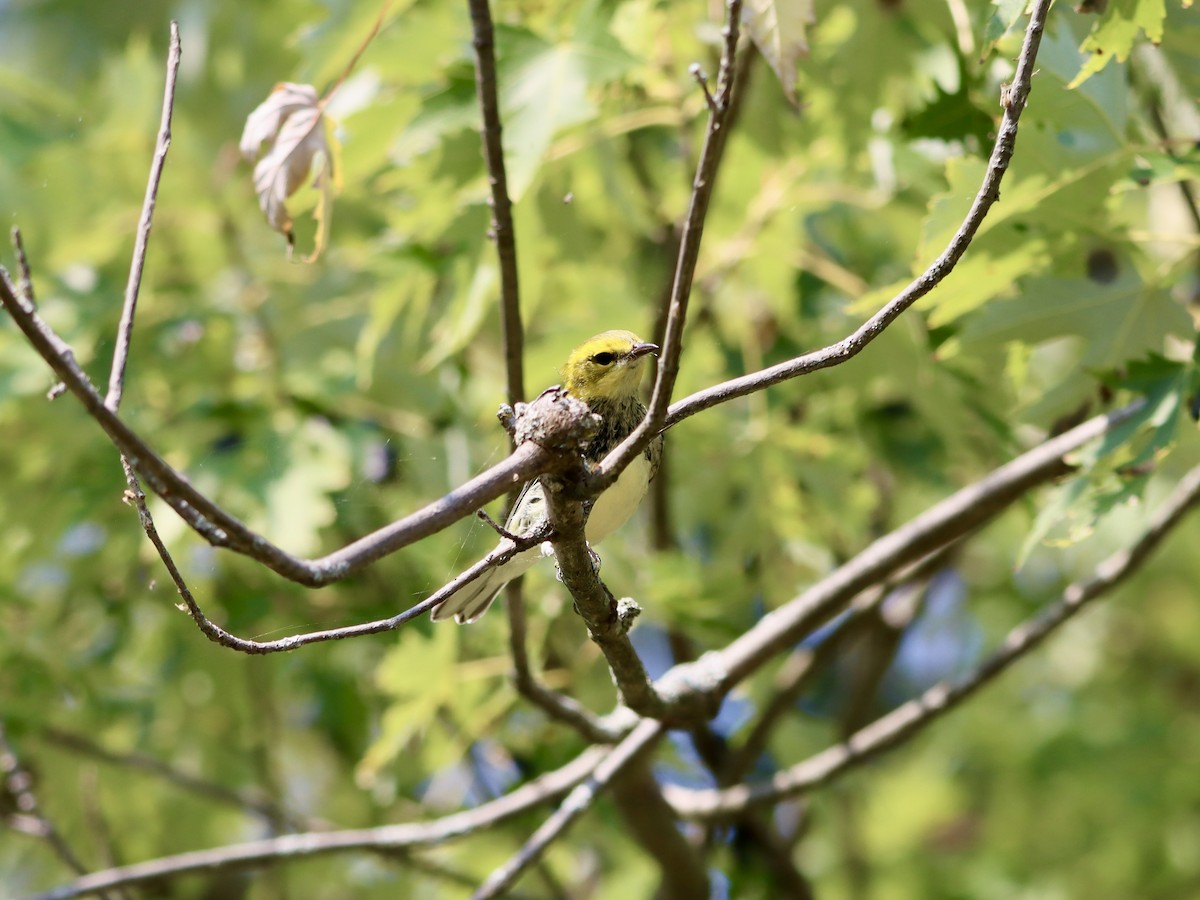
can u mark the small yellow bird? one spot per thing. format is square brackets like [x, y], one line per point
[605, 373]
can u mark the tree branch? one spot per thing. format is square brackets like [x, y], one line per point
[715, 674]
[219, 635]
[853, 344]
[502, 222]
[693, 226]
[558, 706]
[257, 805]
[609, 620]
[720, 110]
[220, 528]
[116, 378]
[26, 816]
[302, 846]
[905, 721]
[575, 805]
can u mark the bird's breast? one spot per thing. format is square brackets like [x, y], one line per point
[616, 505]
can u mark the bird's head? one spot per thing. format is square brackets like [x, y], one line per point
[606, 367]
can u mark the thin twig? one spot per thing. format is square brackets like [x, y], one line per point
[711, 155]
[904, 721]
[28, 817]
[482, 515]
[303, 846]
[116, 378]
[852, 345]
[557, 706]
[220, 528]
[798, 669]
[702, 685]
[143, 762]
[501, 204]
[697, 72]
[575, 805]
[362, 48]
[219, 635]
[25, 284]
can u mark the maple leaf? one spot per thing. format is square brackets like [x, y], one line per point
[292, 124]
[779, 31]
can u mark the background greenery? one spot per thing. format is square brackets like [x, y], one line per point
[321, 401]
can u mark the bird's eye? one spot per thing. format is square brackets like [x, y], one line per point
[604, 359]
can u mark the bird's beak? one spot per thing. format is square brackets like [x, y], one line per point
[640, 350]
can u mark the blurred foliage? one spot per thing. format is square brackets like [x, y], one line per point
[320, 402]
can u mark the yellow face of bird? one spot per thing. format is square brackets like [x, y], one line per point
[607, 366]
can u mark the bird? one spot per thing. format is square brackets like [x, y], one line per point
[604, 372]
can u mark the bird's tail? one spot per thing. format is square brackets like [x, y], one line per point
[471, 601]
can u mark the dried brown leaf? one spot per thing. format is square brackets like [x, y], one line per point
[292, 125]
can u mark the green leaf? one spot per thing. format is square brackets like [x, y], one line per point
[950, 117]
[1114, 34]
[451, 108]
[1005, 15]
[779, 31]
[298, 501]
[546, 88]
[1111, 322]
[984, 275]
[1115, 469]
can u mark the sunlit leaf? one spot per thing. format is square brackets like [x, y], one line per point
[1115, 469]
[548, 87]
[292, 125]
[1004, 16]
[1114, 33]
[779, 29]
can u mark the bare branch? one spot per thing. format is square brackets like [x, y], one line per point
[383, 838]
[502, 222]
[224, 530]
[703, 184]
[25, 284]
[558, 706]
[27, 817]
[953, 517]
[903, 722]
[252, 803]
[803, 663]
[653, 824]
[852, 345]
[575, 805]
[609, 620]
[116, 378]
[715, 674]
[219, 635]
